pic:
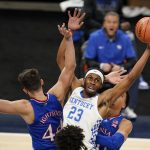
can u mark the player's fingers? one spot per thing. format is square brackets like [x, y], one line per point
[78, 13]
[81, 24]
[122, 71]
[122, 77]
[82, 16]
[63, 25]
[69, 14]
[59, 28]
[75, 12]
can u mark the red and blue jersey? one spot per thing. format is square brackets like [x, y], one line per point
[47, 121]
[109, 127]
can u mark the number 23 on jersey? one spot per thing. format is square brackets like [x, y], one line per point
[75, 114]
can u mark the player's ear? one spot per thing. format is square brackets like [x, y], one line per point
[123, 106]
[42, 82]
[83, 80]
[24, 90]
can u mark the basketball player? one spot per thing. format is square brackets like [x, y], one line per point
[43, 112]
[70, 138]
[114, 130]
[85, 107]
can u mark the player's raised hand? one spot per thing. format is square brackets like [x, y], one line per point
[61, 28]
[116, 76]
[76, 21]
[64, 31]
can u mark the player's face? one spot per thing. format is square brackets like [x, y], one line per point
[92, 84]
[111, 24]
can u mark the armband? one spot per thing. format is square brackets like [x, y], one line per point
[111, 142]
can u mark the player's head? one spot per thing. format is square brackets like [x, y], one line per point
[111, 23]
[70, 138]
[121, 102]
[30, 80]
[93, 81]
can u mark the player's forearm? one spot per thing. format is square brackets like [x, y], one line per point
[132, 76]
[111, 142]
[70, 61]
[139, 66]
[61, 54]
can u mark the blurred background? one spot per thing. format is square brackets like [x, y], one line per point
[29, 38]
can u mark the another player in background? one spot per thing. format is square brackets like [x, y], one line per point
[114, 130]
[43, 112]
[70, 138]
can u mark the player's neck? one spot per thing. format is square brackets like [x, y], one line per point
[39, 96]
[114, 114]
[84, 94]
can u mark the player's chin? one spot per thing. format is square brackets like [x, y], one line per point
[91, 92]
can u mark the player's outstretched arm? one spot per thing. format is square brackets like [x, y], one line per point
[125, 84]
[20, 107]
[60, 59]
[65, 79]
[13, 107]
[75, 22]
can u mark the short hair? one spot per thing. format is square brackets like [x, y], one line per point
[30, 79]
[70, 138]
[111, 13]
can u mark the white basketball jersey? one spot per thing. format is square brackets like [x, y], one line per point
[83, 112]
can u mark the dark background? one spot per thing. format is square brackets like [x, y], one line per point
[30, 39]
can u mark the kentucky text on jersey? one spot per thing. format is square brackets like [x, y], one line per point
[81, 103]
[50, 114]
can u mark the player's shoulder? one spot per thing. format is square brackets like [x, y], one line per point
[21, 101]
[126, 122]
[22, 107]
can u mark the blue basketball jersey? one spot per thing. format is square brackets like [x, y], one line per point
[109, 127]
[47, 121]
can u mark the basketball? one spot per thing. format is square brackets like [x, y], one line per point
[142, 30]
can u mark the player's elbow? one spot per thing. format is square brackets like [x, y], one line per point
[111, 142]
[116, 141]
[71, 66]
